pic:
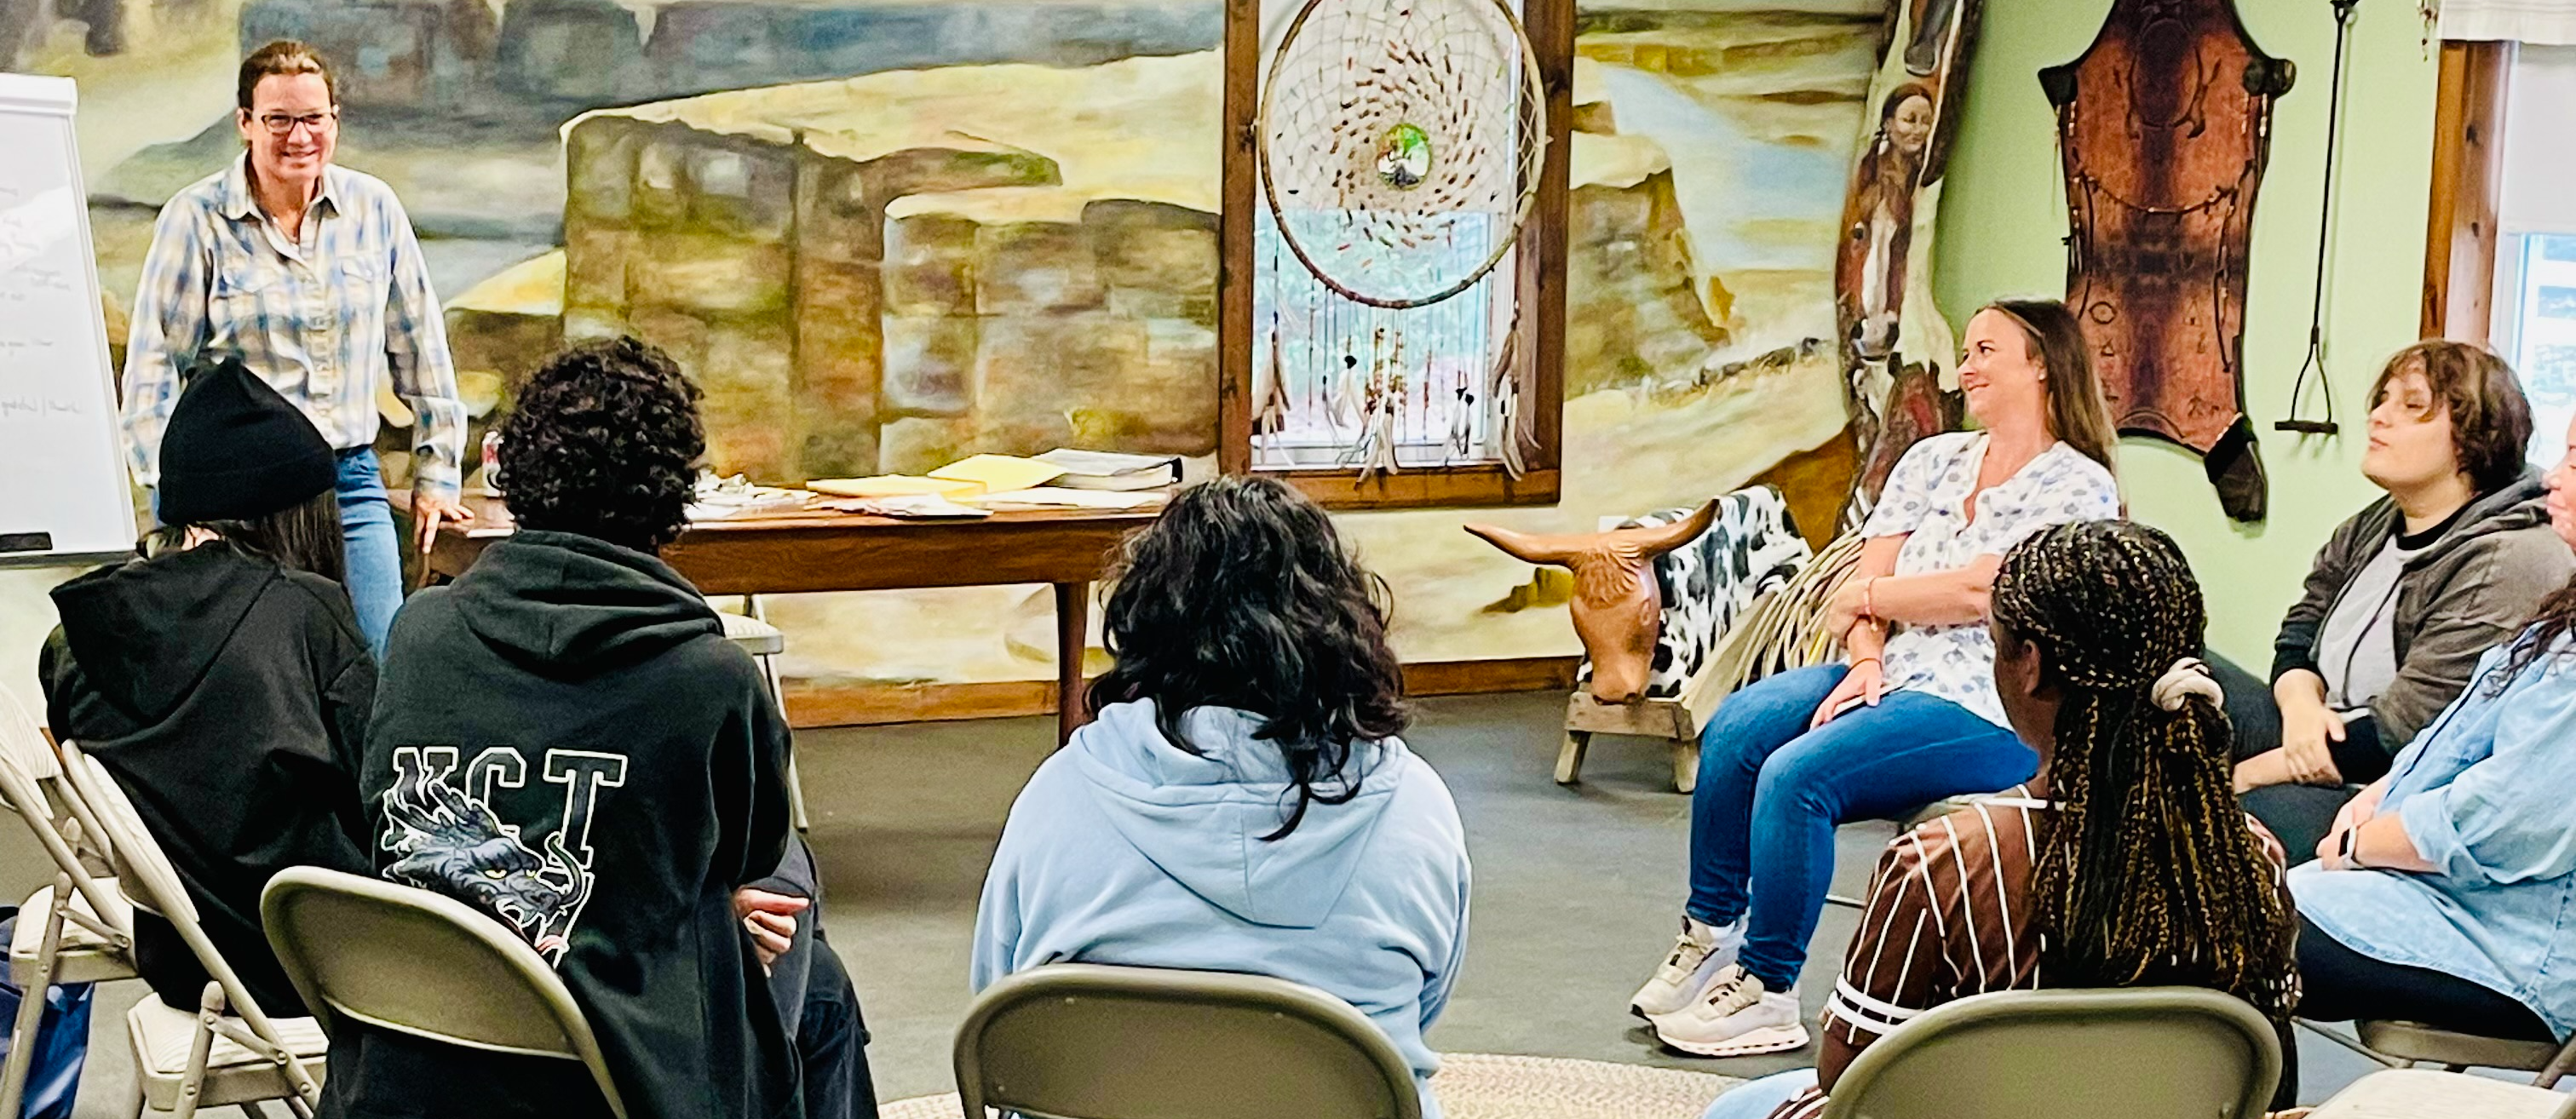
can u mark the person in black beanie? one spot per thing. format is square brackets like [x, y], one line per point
[221, 678]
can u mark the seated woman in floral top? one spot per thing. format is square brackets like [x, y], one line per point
[2125, 863]
[1912, 717]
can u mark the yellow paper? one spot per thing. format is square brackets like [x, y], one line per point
[895, 485]
[1001, 473]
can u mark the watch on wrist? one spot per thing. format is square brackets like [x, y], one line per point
[2349, 853]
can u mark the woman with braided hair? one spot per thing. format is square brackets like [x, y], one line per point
[1910, 715]
[2126, 862]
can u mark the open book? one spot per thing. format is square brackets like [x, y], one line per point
[1109, 470]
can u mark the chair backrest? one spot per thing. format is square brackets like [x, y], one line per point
[2130, 1053]
[28, 765]
[405, 959]
[143, 870]
[1087, 1041]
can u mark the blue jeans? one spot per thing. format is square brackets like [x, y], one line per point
[375, 552]
[1771, 793]
[1757, 1099]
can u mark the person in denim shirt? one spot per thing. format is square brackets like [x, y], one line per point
[2438, 895]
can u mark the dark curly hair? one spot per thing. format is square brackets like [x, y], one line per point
[1241, 595]
[604, 442]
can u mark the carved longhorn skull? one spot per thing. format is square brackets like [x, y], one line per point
[1617, 608]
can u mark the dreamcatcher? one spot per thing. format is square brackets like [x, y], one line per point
[1400, 146]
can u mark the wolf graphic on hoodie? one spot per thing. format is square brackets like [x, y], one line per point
[564, 738]
[450, 842]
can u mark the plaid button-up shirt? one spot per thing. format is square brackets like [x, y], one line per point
[324, 319]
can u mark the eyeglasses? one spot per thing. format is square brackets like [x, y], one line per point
[281, 124]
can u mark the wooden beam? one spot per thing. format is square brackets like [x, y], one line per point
[1544, 248]
[812, 704]
[1237, 211]
[2468, 180]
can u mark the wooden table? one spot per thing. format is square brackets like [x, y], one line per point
[804, 551]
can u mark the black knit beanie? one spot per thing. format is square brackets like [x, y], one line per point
[235, 450]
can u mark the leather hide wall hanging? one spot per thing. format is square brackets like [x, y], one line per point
[1896, 348]
[2164, 124]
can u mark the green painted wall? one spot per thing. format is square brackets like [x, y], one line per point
[2004, 213]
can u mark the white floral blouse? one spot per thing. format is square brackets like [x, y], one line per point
[1925, 502]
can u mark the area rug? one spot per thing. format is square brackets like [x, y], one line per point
[1483, 1086]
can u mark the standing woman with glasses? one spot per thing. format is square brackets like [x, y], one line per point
[310, 275]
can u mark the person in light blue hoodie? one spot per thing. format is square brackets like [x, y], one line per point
[1241, 801]
[2442, 892]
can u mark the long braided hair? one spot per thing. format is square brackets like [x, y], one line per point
[2148, 873]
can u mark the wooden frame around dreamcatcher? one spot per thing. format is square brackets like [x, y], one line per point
[1537, 343]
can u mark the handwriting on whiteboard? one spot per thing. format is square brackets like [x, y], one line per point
[28, 227]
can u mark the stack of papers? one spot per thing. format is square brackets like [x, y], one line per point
[1106, 470]
[1053, 497]
[720, 498]
[919, 506]
[1000, 473]
[894, 485]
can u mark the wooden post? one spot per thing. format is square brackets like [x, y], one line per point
[2468, 178]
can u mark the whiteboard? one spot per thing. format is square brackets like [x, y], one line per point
[63, 491]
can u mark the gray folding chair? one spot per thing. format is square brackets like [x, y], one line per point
[2424, 1093]
[405, 959]
[2410, 1043]
[2131, 1053]
[751, 632]
[229, 1051]
[1086, 1041]
[77, 930]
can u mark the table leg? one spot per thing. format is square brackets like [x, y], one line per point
[1072, 615]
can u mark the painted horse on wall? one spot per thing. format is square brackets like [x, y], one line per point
[2164, 125]
[1885, 354]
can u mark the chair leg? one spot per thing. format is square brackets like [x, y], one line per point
[201, 1048]
[1685, 764]
[769, 667]
[31, 1016]
[1569, 757]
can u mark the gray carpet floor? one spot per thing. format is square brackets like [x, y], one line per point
[1577, 889]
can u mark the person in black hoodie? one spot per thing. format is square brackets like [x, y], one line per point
[565, 739]
[221, 679]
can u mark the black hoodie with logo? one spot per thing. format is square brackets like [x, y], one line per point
[565, 739]
[229, 697]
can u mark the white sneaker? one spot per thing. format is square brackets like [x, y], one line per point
[1698, 952]
[1734, 1017]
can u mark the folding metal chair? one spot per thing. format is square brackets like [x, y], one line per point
[405, 959]
[751, 632]
[1151, 1043]
[229, 1051]
[77, 930]
[2127, 1053]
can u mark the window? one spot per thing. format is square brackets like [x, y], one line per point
[2535, 291]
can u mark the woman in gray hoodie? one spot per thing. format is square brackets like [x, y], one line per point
[2405, 595]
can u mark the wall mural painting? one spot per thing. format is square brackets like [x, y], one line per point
[2164, 125]
[1897, 351]
[886, 233]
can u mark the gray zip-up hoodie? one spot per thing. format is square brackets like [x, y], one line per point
[2472, 589]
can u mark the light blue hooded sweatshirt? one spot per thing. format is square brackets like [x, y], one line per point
[1125, 849]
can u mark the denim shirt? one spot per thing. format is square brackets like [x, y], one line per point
[2484, 794]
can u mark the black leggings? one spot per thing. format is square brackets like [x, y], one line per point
[2339, 985]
